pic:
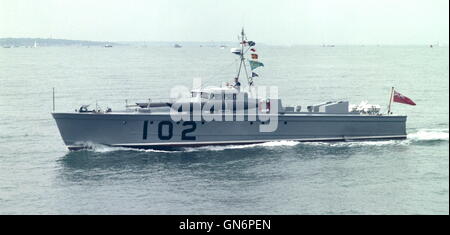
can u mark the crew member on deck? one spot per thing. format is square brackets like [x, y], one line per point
[237, 84]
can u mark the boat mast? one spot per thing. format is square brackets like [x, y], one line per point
[242, 63]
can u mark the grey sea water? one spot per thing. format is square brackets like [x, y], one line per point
[39, 175]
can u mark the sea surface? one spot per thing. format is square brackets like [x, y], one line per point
[38, 175]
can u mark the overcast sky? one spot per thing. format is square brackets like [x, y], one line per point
[283, 22]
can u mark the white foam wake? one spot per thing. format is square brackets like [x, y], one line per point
[244, 146]
[100, 148]
[429, 134]
[420, 135]
[355, 143]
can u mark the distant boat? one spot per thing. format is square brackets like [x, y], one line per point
[438, 44]
[108, 45]
[223, 47]
[6, 46]
[177, 46]
[237, 51]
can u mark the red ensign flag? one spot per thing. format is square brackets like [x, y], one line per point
[399, 98]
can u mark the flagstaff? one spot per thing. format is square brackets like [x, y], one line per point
[398, 98]
[390, 101]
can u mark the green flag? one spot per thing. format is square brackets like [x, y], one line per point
[255, 64]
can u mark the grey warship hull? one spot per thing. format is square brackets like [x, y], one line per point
[227, 115]
[159, 131]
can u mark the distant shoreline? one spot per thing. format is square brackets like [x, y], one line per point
[30, 42]
[46, 42]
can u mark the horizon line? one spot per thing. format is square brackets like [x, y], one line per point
[218, 41]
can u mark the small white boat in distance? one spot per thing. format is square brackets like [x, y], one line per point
[236, 51]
